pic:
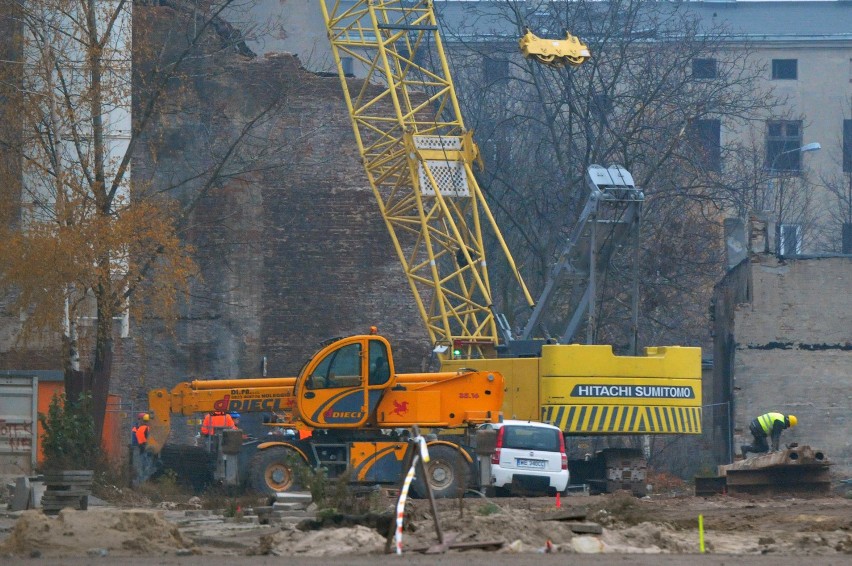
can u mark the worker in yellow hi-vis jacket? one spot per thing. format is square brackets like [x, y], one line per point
[766, 426]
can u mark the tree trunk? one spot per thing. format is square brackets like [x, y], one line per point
[101, 372]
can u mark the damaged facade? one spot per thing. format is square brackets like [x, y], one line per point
[291, 251]
[783, 342]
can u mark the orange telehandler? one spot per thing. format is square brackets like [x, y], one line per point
[354, 406]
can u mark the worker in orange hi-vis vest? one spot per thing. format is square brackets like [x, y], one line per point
[133, 439]
[216, 420]
[141, 432]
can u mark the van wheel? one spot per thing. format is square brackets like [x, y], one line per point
[445, 472]
[272, 470]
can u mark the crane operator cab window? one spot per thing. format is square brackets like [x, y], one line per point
[379, 368]
[341, 368]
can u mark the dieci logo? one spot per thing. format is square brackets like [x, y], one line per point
[222, 404]
[332, 414]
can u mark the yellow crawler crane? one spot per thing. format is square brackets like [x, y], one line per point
[418, 156]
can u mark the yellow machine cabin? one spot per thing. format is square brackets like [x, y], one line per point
[586, 389]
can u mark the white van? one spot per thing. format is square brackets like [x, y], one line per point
[529, 458]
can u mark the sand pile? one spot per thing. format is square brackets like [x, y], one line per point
[95, 532]
[326, 542]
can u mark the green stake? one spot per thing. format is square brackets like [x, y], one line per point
[701, 533]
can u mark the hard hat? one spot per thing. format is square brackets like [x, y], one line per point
[146, 417]
[235, 415]
[792, 420]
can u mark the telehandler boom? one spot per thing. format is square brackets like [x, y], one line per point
[350, 399]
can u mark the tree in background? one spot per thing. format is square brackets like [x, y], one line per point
[83, 246]
[651, 98]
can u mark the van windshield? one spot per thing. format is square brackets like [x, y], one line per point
[531, 438]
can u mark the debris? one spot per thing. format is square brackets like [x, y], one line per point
[22, 495]
[586, 528]
[119, 532]
[712, 485]
[327, 542]
[587, 545]
[798, 470]
[67, 489]
[577, 514]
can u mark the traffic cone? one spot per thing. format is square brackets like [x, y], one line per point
[558, 500]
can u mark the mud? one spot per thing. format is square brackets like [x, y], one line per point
[780, 527]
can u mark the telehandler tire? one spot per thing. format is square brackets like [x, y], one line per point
[446, 472]
[272, 470]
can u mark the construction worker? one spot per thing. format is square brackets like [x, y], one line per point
[141, 432]
[216, 420]
[768, 425]
[133, 440]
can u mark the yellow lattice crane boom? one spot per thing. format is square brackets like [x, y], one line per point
[419, 158]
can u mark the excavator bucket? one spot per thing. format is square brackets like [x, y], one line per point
[554, 52]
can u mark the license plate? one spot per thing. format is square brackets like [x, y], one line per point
[532, 464]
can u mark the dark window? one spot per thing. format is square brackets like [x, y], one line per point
[707, 141]
[340, 368]
[783, 138]
[847, 146]
[495, 69]
[379, 368]
[790, 239]
[404, 54]
[531, 438]
[601, 106]
[785, 69]
[704, 68]
[346, 63]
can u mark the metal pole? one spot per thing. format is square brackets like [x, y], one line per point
[730, 430]
[593, 261]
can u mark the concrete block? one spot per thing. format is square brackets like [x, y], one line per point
[297, 506]
[38, 490]
[22, 496]
[198, 512]
[294, 497]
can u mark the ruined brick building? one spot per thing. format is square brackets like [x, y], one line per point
[291, 252]
[783, 342]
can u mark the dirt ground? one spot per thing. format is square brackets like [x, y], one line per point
[747, 529]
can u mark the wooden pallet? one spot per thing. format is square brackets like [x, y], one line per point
[67, 489]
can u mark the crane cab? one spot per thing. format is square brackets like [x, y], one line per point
[343, 383]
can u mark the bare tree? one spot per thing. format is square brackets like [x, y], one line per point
[91, 245]
[839, 186]
[642, 101]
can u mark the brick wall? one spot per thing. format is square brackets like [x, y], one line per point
[291, 253]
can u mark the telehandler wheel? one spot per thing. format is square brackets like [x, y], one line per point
[446, 472]
[272, 470]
